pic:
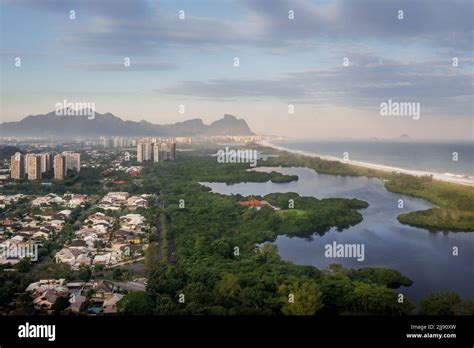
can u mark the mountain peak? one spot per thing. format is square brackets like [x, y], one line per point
[229, 117]
[229, 125]
[52, 124]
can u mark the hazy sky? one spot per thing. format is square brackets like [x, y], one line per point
[283, 62]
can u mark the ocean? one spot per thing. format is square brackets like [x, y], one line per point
[449, 158]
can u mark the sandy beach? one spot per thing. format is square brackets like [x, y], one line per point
[447, 177]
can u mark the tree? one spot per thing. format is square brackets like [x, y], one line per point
[338, 292]
[116, 225]
[99, 244]
[441, 303]
[151, 256]
[382, 276]
[117, 274]
[302, 299]
[222, 248]
[136, 303]
[24, 265]
[197, 292]
[377, 299]
[468, 307]
[167, 305]
[24, 301]
[126, 275]
[228, 288]
[268, 252]
[84, 273]
[60, 304]
[165, 279]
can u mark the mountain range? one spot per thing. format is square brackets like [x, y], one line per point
[52, 125]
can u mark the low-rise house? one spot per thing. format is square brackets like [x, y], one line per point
[39, 235]
[47, 200]
[136, 202]
[102, 290]
[126, 237]
[49, 230]
[82, 260]
[132, 250]
[110, 303]
[74, 286]
[103, 299]
[45, 217]
[10, 199]
[45, 301]
[62, 215]
[103, 259]
[65, 255]
[16, 239]
[78, 303]
[133, 170]
[84, 232]
[57, 224]
[7, 222]
[74, 200]
[104, 222]
[96, 216]
[255, 203]
[90, 240]
[100, 229]
[59, 285]
[17, 248]
[115, 198]
[132, 222]
[78, 244]
[110, 206]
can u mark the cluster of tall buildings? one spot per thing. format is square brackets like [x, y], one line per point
[33, 165]
[118, 142]
[155, 151]
[132, 142]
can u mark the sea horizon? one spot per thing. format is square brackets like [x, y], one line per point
[446, 160]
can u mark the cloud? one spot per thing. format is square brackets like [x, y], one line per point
[118, 26]
[130, 9]
[119, 66]
[142, 27]
[440, 23]
[367, 82]
[163, 32]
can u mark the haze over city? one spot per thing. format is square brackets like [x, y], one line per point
[188, 58]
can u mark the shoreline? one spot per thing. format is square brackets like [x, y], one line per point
[451, 178]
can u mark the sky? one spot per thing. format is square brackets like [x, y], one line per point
[307, 69]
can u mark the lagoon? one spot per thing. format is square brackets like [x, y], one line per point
[424, 256]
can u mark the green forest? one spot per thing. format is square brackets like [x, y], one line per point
[215, 256]
[225, 265]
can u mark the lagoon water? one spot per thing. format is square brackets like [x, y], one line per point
[426, 257]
